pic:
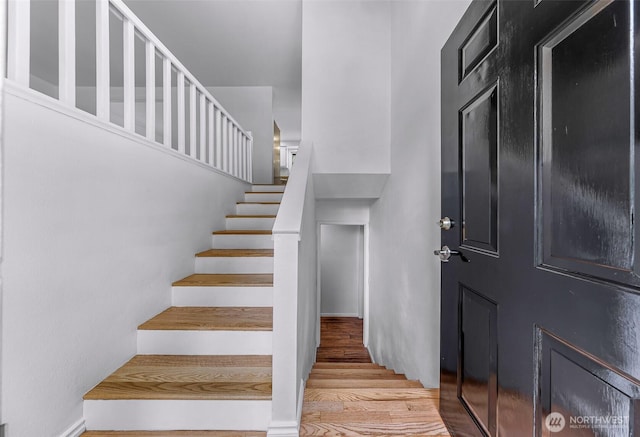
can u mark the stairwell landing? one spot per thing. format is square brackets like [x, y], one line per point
[205, 362]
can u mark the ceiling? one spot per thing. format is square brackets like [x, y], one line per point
[236, 43]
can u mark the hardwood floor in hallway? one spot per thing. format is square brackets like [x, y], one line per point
[348, 395]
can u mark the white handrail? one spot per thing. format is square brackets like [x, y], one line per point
[235, 142]
[289, 219]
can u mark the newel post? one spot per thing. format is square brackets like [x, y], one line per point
[284, 420]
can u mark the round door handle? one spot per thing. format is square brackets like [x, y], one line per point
[446, 223]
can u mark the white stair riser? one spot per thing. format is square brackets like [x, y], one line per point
[257, 208]
[164, 342]
[234, 265]
[170, 415]
[262, 197]
[233, 241]
[250, 223]
[270, 188]
[222, 296]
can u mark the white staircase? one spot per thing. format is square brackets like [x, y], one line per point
[205, 362]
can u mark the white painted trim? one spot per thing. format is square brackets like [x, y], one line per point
[373, 360]
[129, 72]
[339, 315]
[318, 281]
[16, 90]
[165, 342]
[167, 135]
[75, 430]
[193, 121]
[222, 296]
[103, 87]
[19, 41]
[181, 111]
[289, 429]
[283, 429]
[150, 94]
[155, 415]
[366, 290]
[303, 385]
[67, 51]
[234, 265]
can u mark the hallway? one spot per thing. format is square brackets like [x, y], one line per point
[348, 395]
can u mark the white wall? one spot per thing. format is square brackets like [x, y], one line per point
[345, 84]
[405, 276]
[96, 228]
[252, 107]
[341, 270]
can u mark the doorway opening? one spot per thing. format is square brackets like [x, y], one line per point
[342, 284]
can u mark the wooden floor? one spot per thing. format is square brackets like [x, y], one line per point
[183, 377]
[226, 280]
[214, 253]
[341, 341]
[347, 395]
[211, 319]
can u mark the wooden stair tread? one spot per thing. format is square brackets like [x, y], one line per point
[243, 232]
[226, 280]
[354, 374]
[212, 319]
[359, 429]
[264, 192]
[360, 383]
[233, 253]
[173, 434]
[369, 394]
[268, 216]
[257, 203]
[369, 365]
[188, 378]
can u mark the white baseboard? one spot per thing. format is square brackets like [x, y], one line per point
[371, 355]
[283, 429]
[303, 384]
[75, 430]
[339, 315]
[289, 429]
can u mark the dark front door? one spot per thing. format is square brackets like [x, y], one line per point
[541, 328]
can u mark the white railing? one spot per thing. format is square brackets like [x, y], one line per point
[295, 303]
[202, 130]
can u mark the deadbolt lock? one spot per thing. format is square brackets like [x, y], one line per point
[446, 223]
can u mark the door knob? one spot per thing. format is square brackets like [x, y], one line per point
[446, 223]
[445, 253]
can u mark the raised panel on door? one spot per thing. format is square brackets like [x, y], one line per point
[478, 355]
[586, 163]
[580, 395]
[479, 171]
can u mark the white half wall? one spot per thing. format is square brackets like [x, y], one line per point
[346, 84]
[96, 227]
[252, 107]
[341, 270]
[405, 276]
